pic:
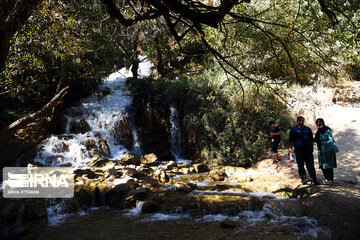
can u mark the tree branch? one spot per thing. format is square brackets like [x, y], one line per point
[41, 113]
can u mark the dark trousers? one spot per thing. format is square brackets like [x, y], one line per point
[275, 147]
[328, 173]
[305, 157]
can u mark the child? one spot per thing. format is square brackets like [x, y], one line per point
[275, 140]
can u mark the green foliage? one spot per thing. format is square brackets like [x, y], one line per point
[218, 121]
[232, 127]
[288, 41]
[59, 46]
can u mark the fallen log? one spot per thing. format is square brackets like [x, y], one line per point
[31, 117]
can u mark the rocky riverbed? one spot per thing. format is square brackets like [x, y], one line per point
[143, 198]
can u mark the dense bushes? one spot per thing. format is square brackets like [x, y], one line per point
[217, 122]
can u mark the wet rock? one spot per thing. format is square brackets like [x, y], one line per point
[256, 203]
[242, 176]
[128, 171]
[123, 133]
[185, 164]
[192, 185]
[180, 187]
[144, 171]
[150, 207]
[61, 147]
[187, 170]
[38, 164]
[101, 163]
[149, 159]
[137, 195]
[87, 173]
[112, 172]
[120, 184]
[90, 144]
[128, 159]
[218, 175]
[119, 190]
[105, 150]
[100, 148]
[54, 160]
[201, 168]
[162, 175]
[104, 92]
[171, 165]
[79, 126]
[228, 224]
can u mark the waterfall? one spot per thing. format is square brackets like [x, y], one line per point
[175, 134]
[136, 149]
[102, 117]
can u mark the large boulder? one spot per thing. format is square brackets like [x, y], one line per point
[119, 190]
[123, 133]
[149, 159]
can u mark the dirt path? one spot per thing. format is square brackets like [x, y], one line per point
[337, 206]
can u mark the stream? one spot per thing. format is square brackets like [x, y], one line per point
[234, 213]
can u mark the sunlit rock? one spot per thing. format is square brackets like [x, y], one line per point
[171, 165]
[128, 159]
[161, 175]
[218, 175]
[149, 159]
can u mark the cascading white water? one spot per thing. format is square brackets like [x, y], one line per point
[175, 134]
[101, 115]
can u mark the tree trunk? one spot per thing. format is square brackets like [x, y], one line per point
[31, 117]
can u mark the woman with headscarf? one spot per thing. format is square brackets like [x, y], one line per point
[326, 151]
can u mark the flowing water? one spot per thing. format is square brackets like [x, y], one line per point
[279, 218]
[102, 115]
[110, 224]
[175, 136]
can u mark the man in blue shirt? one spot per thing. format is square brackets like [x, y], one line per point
[301, 138]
